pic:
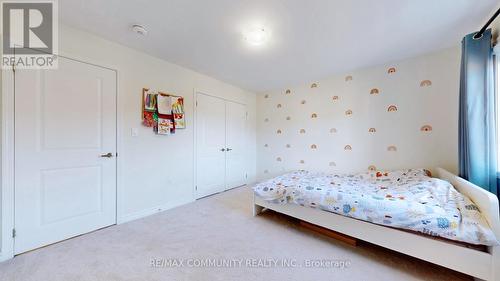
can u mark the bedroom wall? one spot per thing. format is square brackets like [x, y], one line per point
[495, 25]
[402, 114]
[154, 172]
[495, 28]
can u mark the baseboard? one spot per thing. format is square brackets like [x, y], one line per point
[5, 257]
[150, 211]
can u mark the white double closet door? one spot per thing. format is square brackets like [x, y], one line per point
[220, 145]
[65, 146]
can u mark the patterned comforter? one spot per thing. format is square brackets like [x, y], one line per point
[407, 199]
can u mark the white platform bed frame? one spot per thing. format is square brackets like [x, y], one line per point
[479, 264]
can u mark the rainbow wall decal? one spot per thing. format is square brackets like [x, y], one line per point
[282, 109]
[392, 148]
[392, 108]
[266, 171]
[425, 83]
[426, 128]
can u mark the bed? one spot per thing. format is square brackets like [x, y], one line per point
[353, 214]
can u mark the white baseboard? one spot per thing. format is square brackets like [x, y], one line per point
[5, 257]
[150, 211]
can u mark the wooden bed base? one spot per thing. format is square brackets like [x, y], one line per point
[479, 264]
[330, 233]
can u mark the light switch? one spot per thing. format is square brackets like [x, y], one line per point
[134, 132]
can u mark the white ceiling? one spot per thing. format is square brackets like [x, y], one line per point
[311, 39]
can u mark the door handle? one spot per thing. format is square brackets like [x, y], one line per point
[107, 155]
[229, 149]
[222, 149]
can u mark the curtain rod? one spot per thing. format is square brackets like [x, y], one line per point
[482, 30]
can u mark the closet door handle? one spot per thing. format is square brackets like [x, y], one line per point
[107, 155]
[222, 149]
[229, 149]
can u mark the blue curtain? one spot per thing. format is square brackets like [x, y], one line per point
[477, 113]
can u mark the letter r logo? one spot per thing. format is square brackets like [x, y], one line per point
[28, 27]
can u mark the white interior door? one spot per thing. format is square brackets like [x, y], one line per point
[236, 144]
[65, 120]
[210, 145]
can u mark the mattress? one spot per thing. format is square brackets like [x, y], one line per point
[406, 199]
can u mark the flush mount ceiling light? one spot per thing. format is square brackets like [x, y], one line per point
[256, 36]
[139, 29]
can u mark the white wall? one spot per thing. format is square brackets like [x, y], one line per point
[435, 105]
[495, 28]
[155, 172]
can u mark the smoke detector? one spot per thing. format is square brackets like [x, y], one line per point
[139, 29]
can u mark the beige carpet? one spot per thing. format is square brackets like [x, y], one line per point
[215, 229]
